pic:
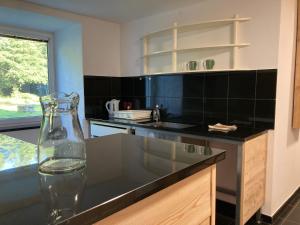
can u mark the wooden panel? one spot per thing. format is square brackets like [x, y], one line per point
[253, 176]
[213, 195]
[186, 202]
[296, 112]
[226, 176]
[206, 222]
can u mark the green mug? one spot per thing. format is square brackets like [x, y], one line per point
[208, 64]
[192, 65]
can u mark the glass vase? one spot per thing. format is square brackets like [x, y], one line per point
[61, 147]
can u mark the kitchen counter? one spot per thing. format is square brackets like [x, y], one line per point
[242, 134]
[238, 176]
[121, 170]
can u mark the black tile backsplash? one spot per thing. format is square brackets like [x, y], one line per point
[139, 86]
[155, 86]
[216, 85]
[215, 111]
[98, 86]
[245, 98]
[173, 107]
[266, 84]
[193, 85]
[127, 86]
[116, 89]
[242, 84]
[192, 109]
[264, 112]
[172, 86]
[241, 112]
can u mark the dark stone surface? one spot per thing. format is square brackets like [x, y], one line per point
[240, 135]
[121, 170]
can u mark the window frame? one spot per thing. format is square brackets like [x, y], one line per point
[19, 123]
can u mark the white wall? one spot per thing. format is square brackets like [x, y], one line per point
[284, 166]
[101, 48]
[68, 64]
[271, 33]
[101, 39]
[261, 31]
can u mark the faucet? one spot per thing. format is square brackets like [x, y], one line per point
[156, 114]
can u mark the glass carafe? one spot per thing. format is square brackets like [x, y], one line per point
[61, 147]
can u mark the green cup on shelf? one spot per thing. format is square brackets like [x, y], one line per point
[192, 65]
[208, 64]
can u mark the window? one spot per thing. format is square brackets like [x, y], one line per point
[25, 68]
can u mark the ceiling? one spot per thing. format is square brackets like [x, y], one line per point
[120, 11]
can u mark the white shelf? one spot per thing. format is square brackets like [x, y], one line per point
[196, 71]
[233, 48]
[213, 22]
[214, 46]
[198, 48]
[209, 22]
[159, 53]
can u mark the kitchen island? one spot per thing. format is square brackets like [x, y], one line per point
[128, 178]
[241, 178]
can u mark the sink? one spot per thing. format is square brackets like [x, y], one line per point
[169, 125]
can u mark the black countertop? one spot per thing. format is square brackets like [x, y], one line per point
[242, 134]
[121, 170]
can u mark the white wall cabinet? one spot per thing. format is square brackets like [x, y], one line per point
[168, 50]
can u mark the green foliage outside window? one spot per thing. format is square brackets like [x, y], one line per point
[23, 76]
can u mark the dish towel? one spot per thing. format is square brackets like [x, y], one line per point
[222, 127]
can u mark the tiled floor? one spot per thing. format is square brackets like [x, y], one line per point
[288, 215]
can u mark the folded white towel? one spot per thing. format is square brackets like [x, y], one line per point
[222, 127]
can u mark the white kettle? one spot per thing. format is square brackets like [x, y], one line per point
[112, 106]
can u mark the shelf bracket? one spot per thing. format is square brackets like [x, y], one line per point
[235, 41]
[175, 45]
[145, 59]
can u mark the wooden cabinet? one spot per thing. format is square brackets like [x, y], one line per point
[243, 178]
[253, 179]
[190, 201]
[296, 111]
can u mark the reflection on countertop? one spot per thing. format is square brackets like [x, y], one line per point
[121, 170]
[16, 153]
[242, 134]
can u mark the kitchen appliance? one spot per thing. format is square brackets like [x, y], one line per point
[112, 106]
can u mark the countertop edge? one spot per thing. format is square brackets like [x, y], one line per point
[182, 131]
[256, 135]
[112, 206]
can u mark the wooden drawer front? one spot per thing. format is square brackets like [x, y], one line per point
[186, 202]
[254, 176]
[254, 196]
[206, 221]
